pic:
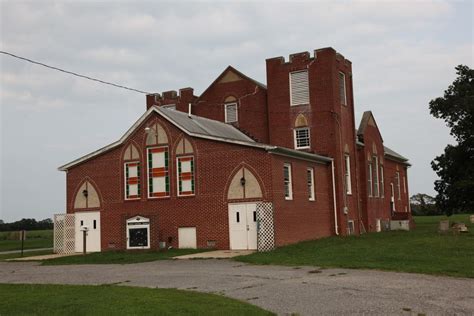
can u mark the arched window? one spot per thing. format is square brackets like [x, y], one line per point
[185, 168]
[301, 133]
[131, 164]
[157, 161]
[86, 197]
[244, 185]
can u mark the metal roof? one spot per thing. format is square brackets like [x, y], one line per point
[391, 153]
[200, 127]
[204, 126]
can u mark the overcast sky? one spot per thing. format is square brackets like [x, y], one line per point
[403, 55]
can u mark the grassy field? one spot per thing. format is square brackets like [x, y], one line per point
[34, 239]
[35, 299]
[422, 250]
[119, 257]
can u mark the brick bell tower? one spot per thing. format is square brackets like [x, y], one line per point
[314, 96]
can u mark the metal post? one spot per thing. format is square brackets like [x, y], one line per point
[84, 240]
[22, 241]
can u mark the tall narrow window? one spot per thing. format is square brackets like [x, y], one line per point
[376, 176]
[287, 181]
[299, 88]
[398, 185]
[231, 115]
[131, 173]
[347, 171]
[185, 175]
[185, 171]
[132, 180]
[158, 177]
[369, 178]
[302, 140]
[382, 184]
[342, 88]
[310, 183]
[404, 185]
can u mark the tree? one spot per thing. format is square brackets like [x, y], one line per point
[423, 204]
[455, 167]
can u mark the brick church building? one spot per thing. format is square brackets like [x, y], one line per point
[242, 166]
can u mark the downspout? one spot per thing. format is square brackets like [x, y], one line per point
[336, 227]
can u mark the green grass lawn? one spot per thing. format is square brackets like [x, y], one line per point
[422, 250]
[34, 239]
[120, 257]
[35, 299]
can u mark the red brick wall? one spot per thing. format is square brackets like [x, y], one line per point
[251, 103]
[215, 164]
[332, 124]
[300, 219]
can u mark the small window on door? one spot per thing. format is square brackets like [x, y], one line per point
[94, 224]
[82, 223]
[254, 216]
[238, 217]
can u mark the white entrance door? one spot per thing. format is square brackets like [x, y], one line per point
[243, 226]
[90, 221]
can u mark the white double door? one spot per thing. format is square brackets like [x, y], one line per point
[243, 226]
[89, 221]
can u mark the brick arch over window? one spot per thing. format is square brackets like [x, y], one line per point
[156, 135]
[86, 196]
[301, 121]
[230, 98]
[251, 189]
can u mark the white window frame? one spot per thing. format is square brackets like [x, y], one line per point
[148, 171]
[382, 182]
[291, 90]
[392, 196]
[399, 193]
[295, 132]
[289, 183]
[404, 185]
[347, 161]
[142, 223]
[310, 183]
[125, 181]
[226, 105]
[177, 175]
[344, 101]
[376, 179]
[370, 188]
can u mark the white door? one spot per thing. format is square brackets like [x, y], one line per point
[243, 226]
[91, 221]
[187, 237]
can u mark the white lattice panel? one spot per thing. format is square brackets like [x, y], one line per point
[265, 227]
[64, 233]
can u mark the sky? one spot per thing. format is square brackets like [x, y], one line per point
[403, 55]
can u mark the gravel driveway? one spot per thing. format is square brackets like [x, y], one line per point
[285, 290]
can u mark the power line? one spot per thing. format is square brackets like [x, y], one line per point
[73, 73]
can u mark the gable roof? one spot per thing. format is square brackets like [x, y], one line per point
[367, 118]
[200, 127]
[238, 73]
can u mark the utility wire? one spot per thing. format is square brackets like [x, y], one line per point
[73, 73]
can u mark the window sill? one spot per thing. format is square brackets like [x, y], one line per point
[186, 196]
[158, 197]
[301, 104]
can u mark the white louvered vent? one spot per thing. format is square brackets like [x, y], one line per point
[299, 90]
[231, 113]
